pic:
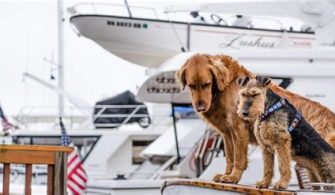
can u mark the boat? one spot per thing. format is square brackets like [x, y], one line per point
[161, 34]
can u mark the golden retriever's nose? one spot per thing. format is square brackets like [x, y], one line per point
[200, 107]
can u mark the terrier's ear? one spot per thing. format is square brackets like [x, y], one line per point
[242, 81]
[263, 81]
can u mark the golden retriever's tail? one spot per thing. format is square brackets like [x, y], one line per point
[331, 139]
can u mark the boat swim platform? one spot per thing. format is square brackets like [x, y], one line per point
[202, 187]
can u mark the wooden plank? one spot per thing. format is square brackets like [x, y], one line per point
[27, 157]
[35, 148]
[60, 177]
[6, 177]
[29, 173]
[57, 176]
[225, 187]
[50, 182]
[64, 173]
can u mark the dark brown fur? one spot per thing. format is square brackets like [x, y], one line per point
[212, 81]
[303, 143]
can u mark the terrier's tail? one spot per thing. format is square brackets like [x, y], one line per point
[331, 139]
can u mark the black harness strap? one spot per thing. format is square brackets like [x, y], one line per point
[295, 122]
[272, 109]
[277, 106]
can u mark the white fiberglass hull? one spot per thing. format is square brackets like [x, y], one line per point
[150, 42]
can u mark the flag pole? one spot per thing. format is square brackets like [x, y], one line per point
[60, 56]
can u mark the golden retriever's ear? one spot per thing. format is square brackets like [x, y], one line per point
[263, 81]
[181, 74]
[242, 81]
[219, 71]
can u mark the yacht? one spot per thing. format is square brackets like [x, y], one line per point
[149, 36]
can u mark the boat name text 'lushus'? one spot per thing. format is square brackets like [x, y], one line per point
[243, 40]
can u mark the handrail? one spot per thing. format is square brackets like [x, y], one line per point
[75, 9]
[26, 115]
[55, 157]
[127, 116]
[120, 106]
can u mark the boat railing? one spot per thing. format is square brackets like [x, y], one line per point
[113, 9]
[105, 116]
[143, 12]
[119, 115]
[38, 117]
[208, 147]
[55, 157]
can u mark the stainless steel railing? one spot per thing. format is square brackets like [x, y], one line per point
[125, 117]
[113, 9]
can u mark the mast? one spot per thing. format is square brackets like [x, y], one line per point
[60, 57]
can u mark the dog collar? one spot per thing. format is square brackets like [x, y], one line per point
[295, 121]
[276, 106]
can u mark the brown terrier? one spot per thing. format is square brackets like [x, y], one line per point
[280, 129]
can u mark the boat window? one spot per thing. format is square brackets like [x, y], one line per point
[138, 147]
[109, 22]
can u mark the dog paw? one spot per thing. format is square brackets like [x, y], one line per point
[262, 184]
[217, 177]
[229, 179]
[280, 185]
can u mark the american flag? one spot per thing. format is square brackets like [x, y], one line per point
[76, 175]
[5, 124]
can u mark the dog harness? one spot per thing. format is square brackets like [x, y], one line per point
[295, 121]
[277, 106]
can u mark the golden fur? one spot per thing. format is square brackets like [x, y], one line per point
[212, 81]
[331, 139]
[204, 74]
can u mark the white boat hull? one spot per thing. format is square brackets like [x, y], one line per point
[150, 42]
